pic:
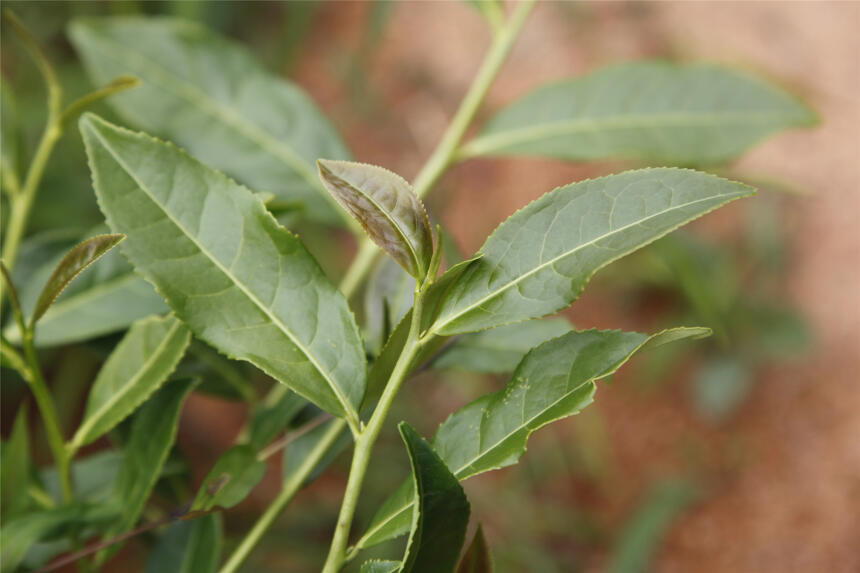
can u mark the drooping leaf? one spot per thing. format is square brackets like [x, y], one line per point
[137, 367]
[272, 418]
[640, 537]
[15, 468]
[680, 113]
[75, 261]
[188, 546]
[235, 474]
[441, 513]
[379, 566]
[21, 534]
[212, 97]
[539, 260]
[153, 432]
[388, 296]
[553, 381]
[477, 558]
[500, 349]
[387, 208]
[238, 280]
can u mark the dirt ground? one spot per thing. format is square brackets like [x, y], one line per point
[794, 503]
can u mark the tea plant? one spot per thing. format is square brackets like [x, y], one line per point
[228, 275]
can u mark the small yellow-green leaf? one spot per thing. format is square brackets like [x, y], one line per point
[387, 208]
[78, 259]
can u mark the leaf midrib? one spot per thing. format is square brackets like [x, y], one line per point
[437, 328]
[348, 411]
[494, 141]
[81, 434]
[200, 99]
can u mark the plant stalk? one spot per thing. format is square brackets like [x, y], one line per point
[290, 489]
[366, 440]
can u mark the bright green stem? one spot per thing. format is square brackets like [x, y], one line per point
[49, 417]
[365, 441]
[290, 489]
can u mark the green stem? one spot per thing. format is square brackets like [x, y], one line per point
[291, 487]
[49, 417]
[366, 440]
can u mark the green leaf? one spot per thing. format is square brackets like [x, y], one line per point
[388, 296]
[298, 454]
[441, 513]
[553, 381]
[238, 280]
[15, 468]
[272, 418]
[500, 349]
[93, 477]
[191, 546]
[640, 537]
[720, 386]
[235, 474]
[477, 558]
[107, 297]
[212, 97]
[661, 111]
[75, 261]
[137, 367]
[153, 432]
[19, 535]
[379, 566]
[387, 208]
[539, 260]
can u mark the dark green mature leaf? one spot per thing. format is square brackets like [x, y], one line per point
[153, 432]
[500, 349]
[234, 475]
[15, 467]
[75, 261]
[441, 513]
[539, 260]
[238, 280]
[553, 381]
[272, 417]
[477, 558]
[138, 366]
[689, 114]
[212, 97]
[191, 546]
[387, 208]
[19, 535]
[388, 296]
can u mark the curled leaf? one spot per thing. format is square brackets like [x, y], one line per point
[78, 259]
[387, 208]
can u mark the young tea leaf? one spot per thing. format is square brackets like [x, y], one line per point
[75, 261]
[191, 546]
[234, 475]
[441, 514]
[553, 381]
[685, 114]
[241, 282]
[477, 558]
[539, 260]
[212, 97]
[387, 208]
[137, 367]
